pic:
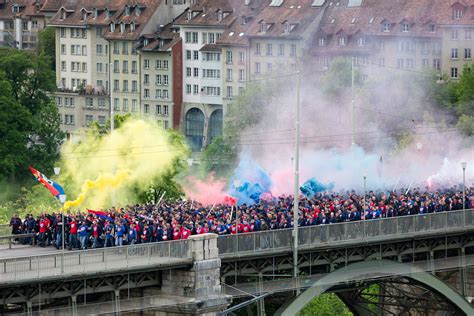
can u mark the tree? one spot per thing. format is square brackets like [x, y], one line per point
[47, 45]
[327, 304]
[33, 128]
[338, 80]
[219, 157]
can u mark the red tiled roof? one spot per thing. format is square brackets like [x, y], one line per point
[27, 8]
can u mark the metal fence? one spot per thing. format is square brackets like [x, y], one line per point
[76, 263]
[346, 233]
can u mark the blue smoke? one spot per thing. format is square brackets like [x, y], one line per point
[313, 186]
[252, 180]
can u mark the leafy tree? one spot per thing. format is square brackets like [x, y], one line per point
[327, 304]
[219, 157]
[33, 128]
[47, 45]
[338, 80]
[99, 130]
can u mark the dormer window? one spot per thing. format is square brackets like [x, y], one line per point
[112, 27]
[162, 43]
[361, 41]
[132, 27]
[122, 27]
[84, 15]
[107, 14]
[405, 27]
[145, 42]
[431, 28]
[286, 27]
[190, 15]
[138, 10]
[63, 14]
[15, 8]
[386, 26]
[219, 15]
[96, 13]
[263, 27]
[457, 14]
[322, 42]
[342, 40]
[127, 10]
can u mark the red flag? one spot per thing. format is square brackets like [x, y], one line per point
[230, 200]
[52, 186]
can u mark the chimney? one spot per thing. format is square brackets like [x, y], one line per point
[247, 2]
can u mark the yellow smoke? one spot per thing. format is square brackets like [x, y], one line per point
[99, 168]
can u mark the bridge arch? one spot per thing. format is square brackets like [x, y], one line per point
[376, 269]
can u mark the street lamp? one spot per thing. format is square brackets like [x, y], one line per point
[463, 165]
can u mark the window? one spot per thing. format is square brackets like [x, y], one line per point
[230, 92]
[158, 109]
[431, 28]
[204, 38]
[400, 63]
[187, 37]
[212, 39]
[188, 89]
[457, 14]
[410, 63]
[165, 80]
[158, 81]
[361, 41]
[188, 71]
[146, 79]
[211, 56]
[146, 108]
[211, 73]
[212, 91]
[229, 75]
[146, 64]
[322, 41]
[125, 67]
[125, 105]
[62, 32]
[98, 49]
[467, 53]
[228, 58]
[89, 119]
[195, 37]
[101, 120]
[165, 94]
[241, 90]
[454, 34]
[454, 53]
[386, 27]
[134, 67]
[196, 55]
[100, 67]
[165, 64]
[147, 93]
[134, 105]
[125, 86]
[69, 119]
[125, 48]
[116, 66]
[241, 57]
[59, 101]
[63, 49]
[405, 27]
[84, 67]
[257, 68]
[342, 40]
[195, 72]
[84, 50]
[467, 34]
[241, 75]
[257, 49]
[158, 94]
[195, 89]
[165, 110]
[293, 50]
[99, 32]
[158, 64]
[454, 72]
[269, 50]
[437, 64]
[116, 85]
[63, 66]
[167, 124]
[188, 55]
[101, 103]
[269, 67]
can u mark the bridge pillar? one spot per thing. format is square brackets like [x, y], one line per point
[29, 308]
[195, 291]
[74, 305]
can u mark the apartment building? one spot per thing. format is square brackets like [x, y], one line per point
[201, 26]
[97, 59]
[20, 23]
[162, 92]
[457, 33]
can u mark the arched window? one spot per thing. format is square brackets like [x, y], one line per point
[195, 128]
[215, 124]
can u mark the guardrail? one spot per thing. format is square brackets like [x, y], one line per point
[340, 234]
[95, 261]
[9, 239]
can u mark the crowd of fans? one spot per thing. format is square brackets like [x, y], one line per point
[180, 219]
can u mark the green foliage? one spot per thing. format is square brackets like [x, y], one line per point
[466, 125]
[327, 304]
[31, 135]
[47, 45]
[219, 157]
[95, 129]
[338, 80]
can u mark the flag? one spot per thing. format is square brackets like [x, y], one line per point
[55, 189]
[101, 214]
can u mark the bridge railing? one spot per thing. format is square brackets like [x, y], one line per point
[346, 233]
[102, 260]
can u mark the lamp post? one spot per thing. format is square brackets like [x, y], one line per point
[463, 165]
[296, 179]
